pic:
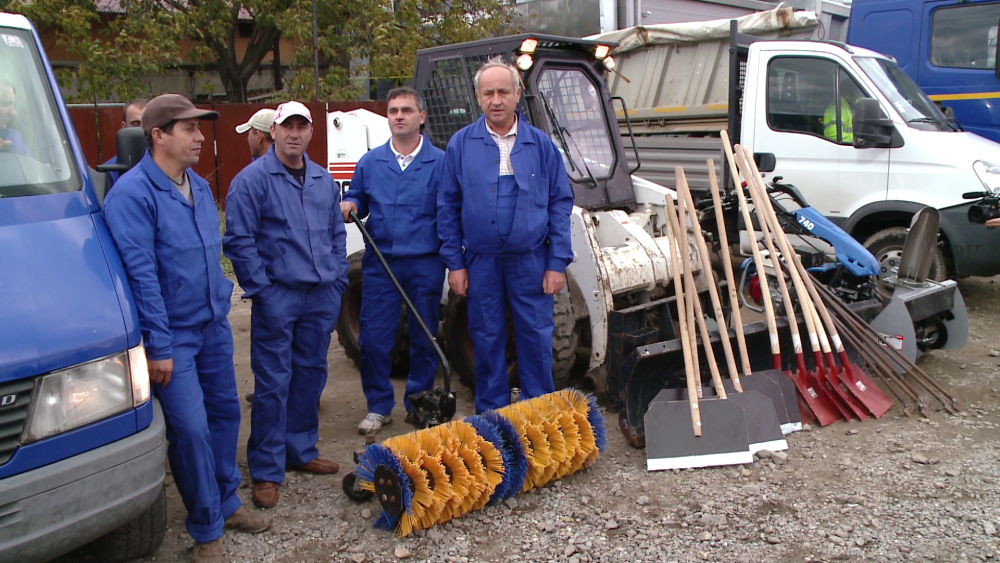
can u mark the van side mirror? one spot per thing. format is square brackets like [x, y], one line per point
[871, 127]
[131, 147]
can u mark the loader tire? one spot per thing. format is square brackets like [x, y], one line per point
[138, 538]
[887, 247]
[461, 354]
[348, 325]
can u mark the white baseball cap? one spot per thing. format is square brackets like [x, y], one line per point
[289, 109]
[260, 121]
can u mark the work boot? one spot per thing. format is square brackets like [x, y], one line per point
[265, 494]
[210, 552]
[318, 466]
[248, 521]
[373, 423]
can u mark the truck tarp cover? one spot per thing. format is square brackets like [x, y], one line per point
[772, 23]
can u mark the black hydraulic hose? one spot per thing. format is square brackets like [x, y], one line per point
[406, 299]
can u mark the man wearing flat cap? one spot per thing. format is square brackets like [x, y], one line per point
[286, 238]
[163, 219]
[258, 130]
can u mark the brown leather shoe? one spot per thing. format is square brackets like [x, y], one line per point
[248, 521]
[318, 466]
[210, 552]
[265, 495]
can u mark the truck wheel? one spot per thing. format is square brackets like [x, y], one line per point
[460, 349]
[348, 325]
[887, 246]
[138, 538]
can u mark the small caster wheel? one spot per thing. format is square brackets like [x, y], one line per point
[354, 492]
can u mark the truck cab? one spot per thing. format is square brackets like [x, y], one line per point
[802, 114]
[948, 47]
[82, 443]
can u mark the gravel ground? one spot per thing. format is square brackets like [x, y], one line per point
[895, 489]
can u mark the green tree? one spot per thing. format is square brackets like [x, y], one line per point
[378, 39]
[117, 53]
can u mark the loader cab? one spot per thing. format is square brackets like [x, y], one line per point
[564, 93]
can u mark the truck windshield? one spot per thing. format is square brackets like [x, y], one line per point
[578, 113]
[904, 95]
[34, 151]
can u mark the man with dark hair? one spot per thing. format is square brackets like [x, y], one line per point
[498, 172]
[163, 219]
[10, 139]
[131, 117]
[286, 238]
[395, 186]
[258, 129]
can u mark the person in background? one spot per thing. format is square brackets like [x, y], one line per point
[395, 186]
[286, 238]
[499, 172]
[11, 140]
[131, 117]
[258, 129]
[163, 219]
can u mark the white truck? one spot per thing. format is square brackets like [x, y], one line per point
[800, 105]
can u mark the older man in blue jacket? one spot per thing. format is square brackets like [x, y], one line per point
[286, 239]
[395, 186]
[164, 221]
[505, 198]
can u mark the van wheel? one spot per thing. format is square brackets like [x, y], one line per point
[138, 538]
[460, 349]
[348, 323]
[887, 247]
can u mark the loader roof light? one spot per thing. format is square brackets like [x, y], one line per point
[524, 61]
[529, 45]
[609, 63]
[601, 51]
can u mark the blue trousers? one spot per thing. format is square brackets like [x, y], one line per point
[289, 340]
[422, 278]
[497, 281]
[202, 411]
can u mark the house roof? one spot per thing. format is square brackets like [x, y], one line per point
[115, 7]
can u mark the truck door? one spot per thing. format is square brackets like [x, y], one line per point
[803, 114]
[958, 62]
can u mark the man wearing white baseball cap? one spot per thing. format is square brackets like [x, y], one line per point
[259, 128]
[286, 238]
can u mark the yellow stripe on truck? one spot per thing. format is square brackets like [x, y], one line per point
[971, 96]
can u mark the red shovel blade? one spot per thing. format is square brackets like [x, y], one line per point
[833, 375]
[863, 388]
[816, 398]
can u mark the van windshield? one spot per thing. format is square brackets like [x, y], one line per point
[904, 95]
[35, 157]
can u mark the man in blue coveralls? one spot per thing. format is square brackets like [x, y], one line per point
[164, 221]
[286, 238]
[395, 186]
[500, 172]
[131, 117]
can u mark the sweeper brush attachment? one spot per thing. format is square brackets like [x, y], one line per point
[432, 475]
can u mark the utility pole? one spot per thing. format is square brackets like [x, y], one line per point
[315, 52]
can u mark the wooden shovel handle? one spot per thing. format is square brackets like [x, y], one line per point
[682, 317]
[713, 291]
[772, 328]
[727, 265]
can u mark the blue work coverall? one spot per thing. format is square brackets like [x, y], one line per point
[512, 229]
[171, 252]
[287, 243]
[401, 206]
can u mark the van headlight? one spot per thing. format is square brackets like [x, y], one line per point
[988, 173]
[82, 394]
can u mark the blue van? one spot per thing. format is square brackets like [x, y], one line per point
[82, 443]
[948, 47]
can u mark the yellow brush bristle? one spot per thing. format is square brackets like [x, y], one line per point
[571, 437]
[557, 450]
[477, 478]
[440, 487]
[539, 459]
[585, 441]
[460, 482]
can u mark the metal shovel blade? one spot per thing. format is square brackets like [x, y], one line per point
[671, 445]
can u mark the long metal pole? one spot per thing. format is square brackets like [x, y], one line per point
[315, 51]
